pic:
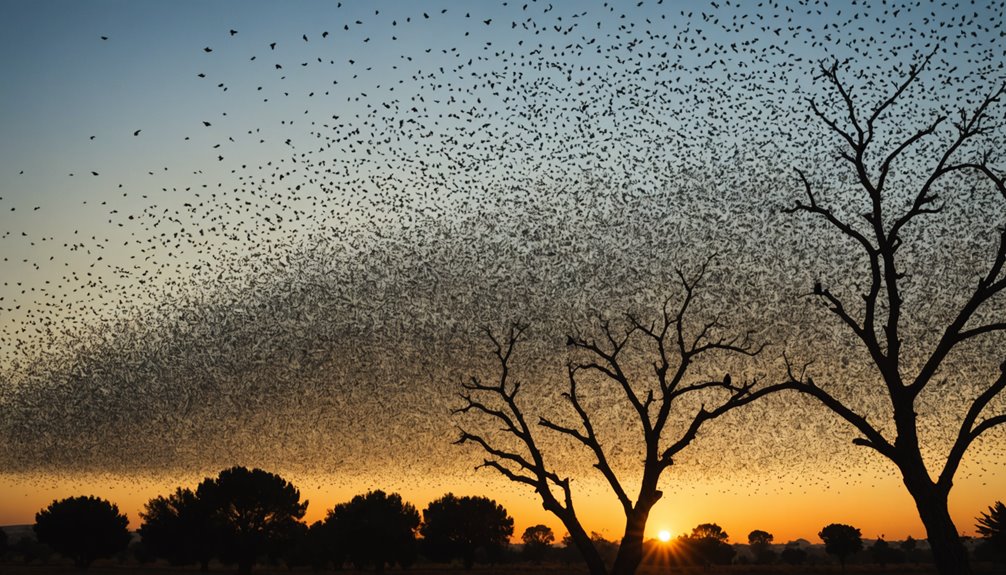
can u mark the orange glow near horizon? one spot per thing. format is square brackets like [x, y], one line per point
[882, 509]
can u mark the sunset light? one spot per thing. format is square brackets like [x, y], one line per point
[623, 285]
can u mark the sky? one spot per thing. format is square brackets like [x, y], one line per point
[272, 234]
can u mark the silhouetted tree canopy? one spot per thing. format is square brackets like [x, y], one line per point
[793, 555]
[455, 527]
[760, 542]
[883, 553]
[537, 541]
[83, 529]
[841, 541]
[707, 545]
[180, 528]
[709, 531]
[256, 513]
[375, 529]
[991, 525]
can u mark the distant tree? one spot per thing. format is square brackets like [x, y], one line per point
[991, 526]
[879, 145]
[760, 543]
[82, 529]
[607, 549]
[672, 346]
[256, 513]
[841, 541]
[537, 541]
[708, 542]
[375, 529]
[709, 531]
[180, 528]
[3, 543]
[910, 547]
[793, 555]
[883, 553]
[458, 526]
[568, 552]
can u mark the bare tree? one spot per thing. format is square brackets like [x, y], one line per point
[878, 323]
[675, 349]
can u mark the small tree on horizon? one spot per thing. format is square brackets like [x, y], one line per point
[841, 541]
[793, 554]
[883, 553]
[83, 529]
[537, 541]
[760, 542]
[708, 543]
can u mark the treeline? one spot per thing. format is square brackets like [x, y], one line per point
[245, 517]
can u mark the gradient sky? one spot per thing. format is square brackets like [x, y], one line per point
[282, 256]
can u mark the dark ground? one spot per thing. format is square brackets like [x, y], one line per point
[114, 568]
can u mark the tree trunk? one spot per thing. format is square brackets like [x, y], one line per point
[630, 551]
[949, 554]
[595, 565]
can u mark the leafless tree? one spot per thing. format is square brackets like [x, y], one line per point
[878, 323]
[674, 349]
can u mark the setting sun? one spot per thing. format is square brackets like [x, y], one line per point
[664, 535]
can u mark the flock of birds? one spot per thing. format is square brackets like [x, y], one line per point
[303, 285]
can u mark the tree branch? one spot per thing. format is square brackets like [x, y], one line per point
[590, 440]
[969, 431]
[805, 384]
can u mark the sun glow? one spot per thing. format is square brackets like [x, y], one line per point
[664, 535]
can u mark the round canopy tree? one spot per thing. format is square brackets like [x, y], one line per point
[458, 526]
[374, 529]
[760, 543]
[537, 541]
[82, 529]
[256, 513]
[708, 542]
[841, 541]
